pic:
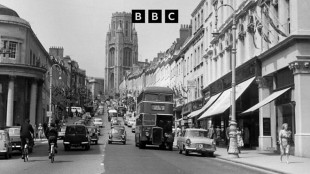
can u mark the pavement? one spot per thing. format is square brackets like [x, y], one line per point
[265, 160]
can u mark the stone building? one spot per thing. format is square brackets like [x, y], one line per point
[22, 71]
[121, 51]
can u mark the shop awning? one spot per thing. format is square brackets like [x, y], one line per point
[208, 104]
[223, 102]
[267, 100]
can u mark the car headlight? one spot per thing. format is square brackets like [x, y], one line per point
[188, 142]
[147, 134]
[213, 142]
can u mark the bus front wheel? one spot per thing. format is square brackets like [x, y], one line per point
[141, 145]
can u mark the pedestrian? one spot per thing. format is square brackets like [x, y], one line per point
[247, 137]
[40, 131]
[218, 135]
[211, 132]
[35, 133]
[284, 141]
[227, 137]
[239, 139]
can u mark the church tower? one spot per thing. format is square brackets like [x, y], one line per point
[121, 51]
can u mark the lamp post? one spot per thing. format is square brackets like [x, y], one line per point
[51, 82]
[233, 148]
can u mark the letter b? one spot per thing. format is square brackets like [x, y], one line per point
[154, 16]
[138, 16]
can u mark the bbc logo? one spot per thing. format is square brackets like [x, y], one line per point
[155, 16]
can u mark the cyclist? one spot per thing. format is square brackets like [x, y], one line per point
[52, 135]
[26, 131]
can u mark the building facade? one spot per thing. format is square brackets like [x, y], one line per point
[121, 51]
[272, 71]
[22, 71]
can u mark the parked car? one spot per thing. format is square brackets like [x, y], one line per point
[98, 122]
[14, 133]
[76, 136]
[117, 134]
[93, 133]
[196, 140]
[61, 133]
[5, 144]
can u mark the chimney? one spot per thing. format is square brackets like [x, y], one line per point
[185, 32]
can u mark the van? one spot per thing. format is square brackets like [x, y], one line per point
[5, 144]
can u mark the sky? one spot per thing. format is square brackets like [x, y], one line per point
[80, 26]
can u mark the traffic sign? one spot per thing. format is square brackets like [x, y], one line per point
[49, 113]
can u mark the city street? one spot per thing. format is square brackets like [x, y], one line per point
[117, 159]
[77, 160]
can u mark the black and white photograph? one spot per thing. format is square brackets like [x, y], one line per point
[154, 86]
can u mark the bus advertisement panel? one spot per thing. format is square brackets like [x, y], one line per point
[155, 118]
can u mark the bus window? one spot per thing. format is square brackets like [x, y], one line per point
[149, 120]
[150, 97]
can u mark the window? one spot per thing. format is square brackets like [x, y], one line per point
[201, 54]
[198, 21]
[149, 120]
[201, 16]
[11, 47]
[126, 28]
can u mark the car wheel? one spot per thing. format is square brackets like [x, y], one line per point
[7, 155]
[204, 154]
[186, 152]
[210, 154]
[124, 142]
[109, 142]
[67, 147]
[87, 147]
[170, 147]
[96, 142]
[180, 151]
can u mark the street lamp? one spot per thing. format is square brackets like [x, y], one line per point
[51, 82]
[233, 148]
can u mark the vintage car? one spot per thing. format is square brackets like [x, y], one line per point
[76, 136]
[131, 122]
[112, 113]
[196, 140]
[93, 133]
[117, 134]
[14, 133]
[5, 144]
[98, 122]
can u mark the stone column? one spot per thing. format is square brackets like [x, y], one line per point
[33, 101]
[264, 90]
[301, 71]
[10, 104]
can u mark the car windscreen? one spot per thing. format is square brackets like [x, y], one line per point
[80, 130]
[14, 131]
[117, 131]
[70, 130]
[197, 133]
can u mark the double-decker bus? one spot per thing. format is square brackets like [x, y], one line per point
[154, 118]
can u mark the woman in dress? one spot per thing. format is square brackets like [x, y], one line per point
[284, 140]
[239, 139]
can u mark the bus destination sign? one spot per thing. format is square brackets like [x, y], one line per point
[158, 107]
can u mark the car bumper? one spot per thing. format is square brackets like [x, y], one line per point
[76, 144]
[201, 149]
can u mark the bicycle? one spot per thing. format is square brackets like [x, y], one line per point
[26, 150]
[52, 153]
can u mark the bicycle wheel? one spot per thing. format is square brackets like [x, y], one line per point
[52, 158]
